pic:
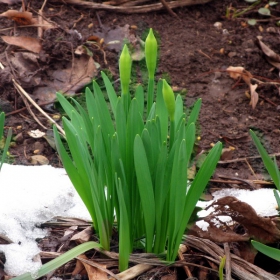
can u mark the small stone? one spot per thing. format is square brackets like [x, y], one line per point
[225, 32]
[218, 25]
[272, 30]
[38, 147]
[232, 54]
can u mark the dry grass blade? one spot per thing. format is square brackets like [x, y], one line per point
[240, 268]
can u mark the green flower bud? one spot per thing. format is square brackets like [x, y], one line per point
[151, 53]
[169, 99]
[125, 69]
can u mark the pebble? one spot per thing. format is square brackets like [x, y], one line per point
[218, 25]
[232, 54]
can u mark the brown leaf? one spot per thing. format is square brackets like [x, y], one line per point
[83, 236]
[79, 268]
[28, 43]
[93, 272]
[240, 73]
[69, 80]
[10, 2]
[272, 57]
[227, 153]
[253, 226]
[237, 72]
[39, 159]
[22, 18]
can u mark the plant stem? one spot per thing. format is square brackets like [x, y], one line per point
[150, 94]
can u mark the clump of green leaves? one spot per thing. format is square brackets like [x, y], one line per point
[131, 166]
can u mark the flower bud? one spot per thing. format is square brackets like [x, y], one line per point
[125, 69]
[169, 99]
[151, 53]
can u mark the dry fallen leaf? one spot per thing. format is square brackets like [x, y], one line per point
[10, 2]
[22, 18]
[250, 225]
[93, 272]
[227, 153]
[272, 57]
[239, 72]
[27, 68]
[69, 80]
[83, 236]
[28, 43]
[26, 18]
[39, 159]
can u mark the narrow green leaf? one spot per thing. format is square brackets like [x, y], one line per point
[194, 113]
[270, 165]
[221, 267]
[150, 94]
[124, 228]
[161, 112]
[92, 109]
[148, 148]
[139, 95]
[121, 127]
[59, 261]
[190, 140]
[111, 92]
[145, 186]
[177, 198]
[104, 114]
[6, 146]
[152, 112]
[66, 105]
[195, 191]
[2, 121]
[277, 197]
[266, 250]
[178, 110]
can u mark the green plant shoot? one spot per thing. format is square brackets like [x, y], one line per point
[266, 250]
[8, 139]
[132, 168]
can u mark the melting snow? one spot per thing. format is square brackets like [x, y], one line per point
[32, 195]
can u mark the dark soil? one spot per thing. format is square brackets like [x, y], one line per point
[194, 56]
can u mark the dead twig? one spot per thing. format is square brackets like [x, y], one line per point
[206, 55]
[244, 159]
[136, 9]
[29, 109]
[182, 249]
[40, 19]
[228, 261]
[169, 10]
[18, 87]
